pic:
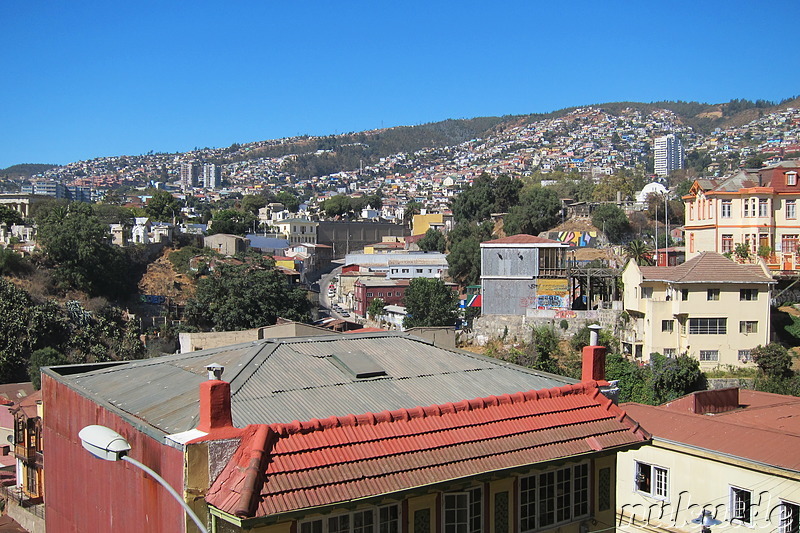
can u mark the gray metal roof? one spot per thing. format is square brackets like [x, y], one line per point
[281, 380]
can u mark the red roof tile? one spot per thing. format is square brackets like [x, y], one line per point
[707, 267]
[339, 459]
[523, 238]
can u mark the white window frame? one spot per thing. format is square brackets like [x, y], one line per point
[783, 526]
[647, 293]
[709, 356]
[791, 209]
[466, 503]
[734, 505]
[658, 480]
[378, 517]
[747, 327]
[726, 209]
[572, 504]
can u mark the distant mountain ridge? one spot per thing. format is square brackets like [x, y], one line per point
[328, 154]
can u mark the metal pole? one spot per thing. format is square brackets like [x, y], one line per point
[166, 485]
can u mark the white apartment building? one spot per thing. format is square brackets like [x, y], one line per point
[668, 154]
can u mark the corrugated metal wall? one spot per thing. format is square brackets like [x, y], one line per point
[508, 262]
[88, 494]
[508, 296]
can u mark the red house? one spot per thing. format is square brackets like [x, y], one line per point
[390, 291]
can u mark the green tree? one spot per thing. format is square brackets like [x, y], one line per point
[43, 357]
[476, 202]
[672, 378]
[634, 382]
[429, 302]
[337, 206]
[251, 203]
[231, 221]
[9, 216]
[773, 360]
[742, 251]
[376, 308]
[77, 245]
[412, 208]
[162, 206]
[537, 211]
[289, 201]
[640, 252]
[236, 297]
[12, 263]
[506, 193]
[612, 221]
[464, 257]
[433, 241]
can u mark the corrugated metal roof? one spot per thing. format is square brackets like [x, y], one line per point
[281, 380]
[339, 459]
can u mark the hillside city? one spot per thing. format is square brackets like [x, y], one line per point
[581, 322]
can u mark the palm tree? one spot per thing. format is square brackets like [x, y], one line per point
[640, 252]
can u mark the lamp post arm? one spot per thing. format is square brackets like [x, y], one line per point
[172, 491]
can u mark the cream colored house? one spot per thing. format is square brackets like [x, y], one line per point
[709, 307]
[735, 453]
[297, 230]
[757, 207]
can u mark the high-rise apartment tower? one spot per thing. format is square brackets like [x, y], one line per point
[668, 154]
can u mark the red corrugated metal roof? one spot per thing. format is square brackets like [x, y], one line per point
[339, 459]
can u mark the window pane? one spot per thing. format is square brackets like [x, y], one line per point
[527, 499]
[547, 499]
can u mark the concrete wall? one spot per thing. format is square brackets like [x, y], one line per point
[348, 236]
[488, 327]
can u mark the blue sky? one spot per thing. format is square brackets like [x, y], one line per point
[89, 79]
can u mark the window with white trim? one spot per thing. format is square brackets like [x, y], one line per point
[709, 355]
[748, 326]
[461, 511]
[791, 178]
[652, 480]
[791, 209]
[647, 293]
[741, 505]
[667, 326]
[790, 518]
[744, 356]
[748, 295]
[670, 352]
[763, 207]
[708, 326]
[555, 497]
[726, 209]
[712, 294]
[383, 519]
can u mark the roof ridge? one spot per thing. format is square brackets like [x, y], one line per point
[435, 410]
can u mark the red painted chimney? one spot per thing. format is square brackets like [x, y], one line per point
[594, 358]
[215, 401]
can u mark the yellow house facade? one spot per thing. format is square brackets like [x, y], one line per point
[727, 451]
[298, 230]
[709, 307]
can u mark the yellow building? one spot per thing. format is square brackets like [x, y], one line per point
[422, 223]
[297, 230]
[709, 307]
[732, 452]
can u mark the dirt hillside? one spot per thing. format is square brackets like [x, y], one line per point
[162, 280]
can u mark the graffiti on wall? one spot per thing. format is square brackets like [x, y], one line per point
[552, 294]
[578, 239]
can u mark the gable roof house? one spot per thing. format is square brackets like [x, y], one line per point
[732, 452]
[358, 433]
[709, 307]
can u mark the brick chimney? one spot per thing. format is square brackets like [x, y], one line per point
[215, 401]
[594, 357]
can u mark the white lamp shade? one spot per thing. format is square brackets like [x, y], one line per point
[104, 442]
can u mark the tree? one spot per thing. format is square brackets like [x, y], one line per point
[412, 208]
[337, 206]
[43, 357]
[236, 297]
[464, 257]
[476, 202]
[289, 201]
[163, 206]
[9, 216]
[506, 193]
[432, 241]
[672, 378]
[612, 221]
[640, 252]
[376, 308]
[773, 360]
[77, 245]
[231, 221]
[537, 211]
[251, 203]
[429, 302]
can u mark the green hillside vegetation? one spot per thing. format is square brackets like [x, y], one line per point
[25, 170]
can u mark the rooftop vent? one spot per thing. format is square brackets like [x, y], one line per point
[358, 364]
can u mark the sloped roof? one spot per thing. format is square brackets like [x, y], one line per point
[281, 380]
[707, 267]
[524, 238]
[761, 418]
[339, 459]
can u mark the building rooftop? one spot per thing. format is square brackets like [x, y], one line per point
[339, 459]
[733, 422]
[707, 267]
[524, 238]
[281, 380]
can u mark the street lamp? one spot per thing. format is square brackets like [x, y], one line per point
[105, 443]
[706, 520]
